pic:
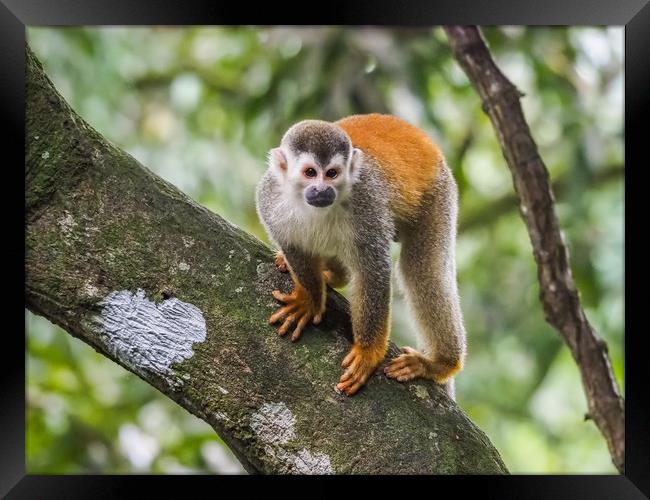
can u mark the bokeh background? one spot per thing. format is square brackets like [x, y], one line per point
[201, 106]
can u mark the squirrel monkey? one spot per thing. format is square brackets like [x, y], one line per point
[333, 198]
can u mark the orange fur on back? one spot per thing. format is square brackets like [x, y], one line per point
[405, 154]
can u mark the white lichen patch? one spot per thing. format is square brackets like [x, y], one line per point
[222, 390]
[239, 289]
[307, 463]
[274, 424]
[188, 241]
[45, 155]
[150, 337]
[300, 462]
[230, 254]
[261, 269]
[184, 266]
[421, 391]
[227, 267]
[90, 290]
[67, 224]
[91, 231]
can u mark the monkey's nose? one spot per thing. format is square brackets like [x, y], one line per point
[320, 197]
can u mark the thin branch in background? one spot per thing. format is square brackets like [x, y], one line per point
[558, 293]
[490, 212]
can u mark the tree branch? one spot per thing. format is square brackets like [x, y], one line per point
[175, 294]
[558, 293]
[490, 212]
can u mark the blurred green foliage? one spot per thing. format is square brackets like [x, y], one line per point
[202, 106]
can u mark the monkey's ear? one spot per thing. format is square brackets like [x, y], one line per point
[277, 160]
[355, 163]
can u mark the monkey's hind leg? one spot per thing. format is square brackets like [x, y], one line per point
[428, 272]
[335, 273]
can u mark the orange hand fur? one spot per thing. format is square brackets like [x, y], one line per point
[412, 364]
[360, 364]
[280, 263]
[299, 310]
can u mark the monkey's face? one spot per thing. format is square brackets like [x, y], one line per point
[312, 182]
[315, 164]
[319, 184]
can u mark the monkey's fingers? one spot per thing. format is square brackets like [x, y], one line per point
[343, 386]
[403, 374]
[291, 319]
[283, 311]
[353, 369]
[396, 364]
[348, 359]
[282, 297]
[298, 330]
[353, 388]
[357, 373]
[352, 384]
[347, 375]
[405, 367]
[317, 319]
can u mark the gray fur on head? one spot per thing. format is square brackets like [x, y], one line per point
[321, 138]
[315, 164]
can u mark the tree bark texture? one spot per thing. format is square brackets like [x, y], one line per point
[177, 295]
[558, 292]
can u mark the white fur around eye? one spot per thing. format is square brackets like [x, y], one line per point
[305, 159]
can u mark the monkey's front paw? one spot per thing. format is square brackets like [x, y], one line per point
[407, 366]
[360, 363]
[280, 263]
[299, 310]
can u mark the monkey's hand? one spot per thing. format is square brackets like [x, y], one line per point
[360, 363]
[299, 309]
[280, 263]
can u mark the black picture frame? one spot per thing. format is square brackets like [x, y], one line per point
[15, 15]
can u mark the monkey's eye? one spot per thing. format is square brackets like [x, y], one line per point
[332, 173]
[310, 172]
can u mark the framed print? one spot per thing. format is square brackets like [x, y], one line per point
[265, 243]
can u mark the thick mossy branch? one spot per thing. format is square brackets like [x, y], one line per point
[124, 261]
